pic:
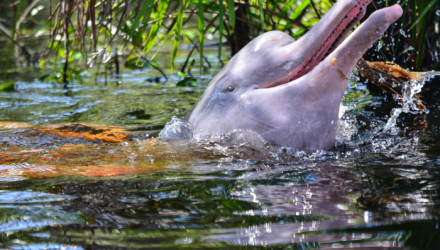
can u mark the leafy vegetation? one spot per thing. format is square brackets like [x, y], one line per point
[8, 86]
[413, 43]
[100, 32]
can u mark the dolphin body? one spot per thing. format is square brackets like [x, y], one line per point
[287, 91]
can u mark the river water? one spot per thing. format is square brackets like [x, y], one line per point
[377, 189]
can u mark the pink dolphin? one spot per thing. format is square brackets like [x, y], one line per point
[290, 91]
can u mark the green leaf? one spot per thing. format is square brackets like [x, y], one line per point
[299, 32]
[286, 7]
[154, 63]
[420, 50]
[328, 3]
[137, 36]
[53, 76]
[6, 87]
[132, 63]
[161, 10]
[403, 3]
[296, 13]
[231, 13]
[260, 7]
[191, 65]
[426, 10]
[220, 29]
[201, 33]
[144, 12]
[44, 76]
[177, 28]
[182, 74]
[398, 35]
[11, 46]
[147, 18]
[300, 9]
[76, 56]
[186, 82]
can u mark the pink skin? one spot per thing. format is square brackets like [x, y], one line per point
[290, 92]
[323, 38]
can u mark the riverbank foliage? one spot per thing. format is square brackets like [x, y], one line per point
[133, 31]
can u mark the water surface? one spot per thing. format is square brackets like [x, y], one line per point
[378, 188]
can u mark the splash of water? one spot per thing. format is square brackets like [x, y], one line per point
[408, 102]
[231, 143]
[176, 128]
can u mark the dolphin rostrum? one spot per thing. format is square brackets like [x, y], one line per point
[290, 92]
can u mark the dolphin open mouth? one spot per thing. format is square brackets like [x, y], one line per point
[345, 19]
[310, 75]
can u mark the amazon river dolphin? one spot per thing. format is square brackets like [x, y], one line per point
[287, 91]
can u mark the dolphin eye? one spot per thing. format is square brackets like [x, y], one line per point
[230, 88]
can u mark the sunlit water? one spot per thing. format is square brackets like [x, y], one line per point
[378, 188]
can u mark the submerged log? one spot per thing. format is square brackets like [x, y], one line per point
[391, 78]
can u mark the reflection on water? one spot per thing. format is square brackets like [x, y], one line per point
[315, 204]
[93, 186]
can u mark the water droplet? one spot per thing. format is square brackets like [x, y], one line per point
[403, 33]
[410, 48]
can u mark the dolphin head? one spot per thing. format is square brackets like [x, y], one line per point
[290, 91]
